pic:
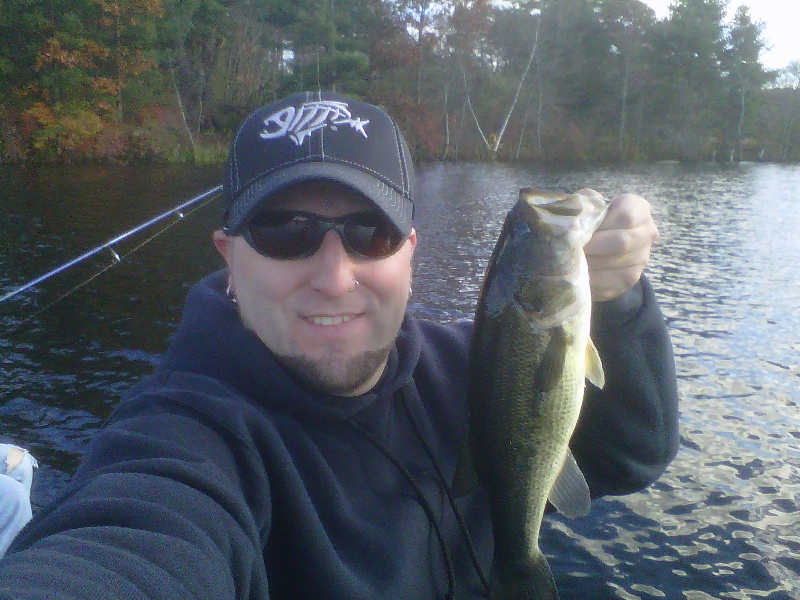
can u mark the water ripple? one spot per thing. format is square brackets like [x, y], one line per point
[721, 523]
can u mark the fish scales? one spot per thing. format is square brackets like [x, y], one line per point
[528, 364]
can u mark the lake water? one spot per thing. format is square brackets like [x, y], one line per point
[721, 523]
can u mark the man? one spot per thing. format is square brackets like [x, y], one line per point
[299, 439]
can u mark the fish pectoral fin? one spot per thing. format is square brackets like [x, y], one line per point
[465, 480]
[594, 366]
[570, 493]
[551, 365]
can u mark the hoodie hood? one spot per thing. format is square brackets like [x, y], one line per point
[212, 341]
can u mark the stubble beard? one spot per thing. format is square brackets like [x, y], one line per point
[334, 374]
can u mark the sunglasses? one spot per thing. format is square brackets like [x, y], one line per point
[288, 235]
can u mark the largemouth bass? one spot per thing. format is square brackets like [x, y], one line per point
[530, 355]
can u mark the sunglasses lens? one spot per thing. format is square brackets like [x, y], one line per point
[285, 235]
[371, 236]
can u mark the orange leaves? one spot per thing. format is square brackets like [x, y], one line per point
[53, 53]
[66, 132]
[91, 70]
[134, 62]
[106, 85]
[85, 56]
[40, 115]
[89, 53]
[128, 63]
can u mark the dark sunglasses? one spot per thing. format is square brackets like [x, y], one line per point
[289, 235]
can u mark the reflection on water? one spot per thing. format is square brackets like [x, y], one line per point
[722, 523]
[63, 369]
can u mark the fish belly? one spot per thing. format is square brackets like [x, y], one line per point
[527, 393]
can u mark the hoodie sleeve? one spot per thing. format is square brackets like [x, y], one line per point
[158, 509]
[627, 433]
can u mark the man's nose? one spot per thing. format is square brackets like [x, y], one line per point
[335, 270]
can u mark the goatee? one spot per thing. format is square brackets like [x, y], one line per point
[334, 374]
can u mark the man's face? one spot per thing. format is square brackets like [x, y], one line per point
[332, 334]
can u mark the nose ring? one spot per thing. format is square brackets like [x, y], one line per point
[355, 284]
[230, 294]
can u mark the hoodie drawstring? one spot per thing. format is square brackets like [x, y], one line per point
[449, 493]
[424, 502]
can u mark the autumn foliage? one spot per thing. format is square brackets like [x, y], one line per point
[72, 106]
[167, 80]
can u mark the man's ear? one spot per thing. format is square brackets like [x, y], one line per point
[224, 245]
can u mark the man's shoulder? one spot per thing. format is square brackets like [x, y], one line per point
[181, 392]
[455, 333]
[444, 351]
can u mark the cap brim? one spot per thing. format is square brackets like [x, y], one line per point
[398, 208]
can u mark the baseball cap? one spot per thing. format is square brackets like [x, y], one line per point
[319, 135]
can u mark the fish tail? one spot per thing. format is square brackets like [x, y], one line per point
[529, 581]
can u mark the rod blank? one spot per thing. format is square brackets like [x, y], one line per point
[108, 245]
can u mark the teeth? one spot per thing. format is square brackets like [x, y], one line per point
[330, 320]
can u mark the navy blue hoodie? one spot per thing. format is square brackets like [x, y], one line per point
[219, 477]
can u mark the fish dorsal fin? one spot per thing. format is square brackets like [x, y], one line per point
[594, 367]
[570, 492]
[465, 479]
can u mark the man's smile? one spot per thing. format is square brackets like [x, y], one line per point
[337, 320]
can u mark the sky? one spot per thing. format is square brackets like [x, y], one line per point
[780, 18]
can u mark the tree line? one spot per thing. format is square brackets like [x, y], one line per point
[547, 80]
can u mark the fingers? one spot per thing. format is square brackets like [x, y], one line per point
[627, 232]
[627, 211]
[622, 244]
[619, 250]
[608, 283]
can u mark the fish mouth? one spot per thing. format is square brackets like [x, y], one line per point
[577, 213]
[568, 205]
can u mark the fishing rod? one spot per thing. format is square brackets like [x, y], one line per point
[110, 243]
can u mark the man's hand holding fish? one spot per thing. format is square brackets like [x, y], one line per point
[619, 250]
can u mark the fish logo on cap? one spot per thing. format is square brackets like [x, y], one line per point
[300, 123]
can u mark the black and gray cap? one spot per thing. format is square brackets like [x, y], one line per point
[313, 136]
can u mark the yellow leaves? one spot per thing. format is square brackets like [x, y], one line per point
[79, 130]
[63, 129]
